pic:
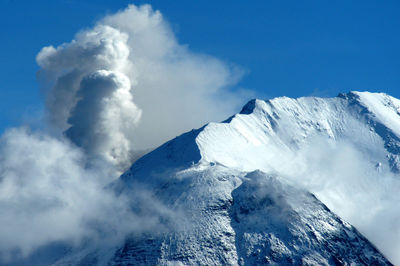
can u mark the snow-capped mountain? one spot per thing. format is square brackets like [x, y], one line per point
[242, 191]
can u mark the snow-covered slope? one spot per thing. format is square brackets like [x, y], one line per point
[236, 191]
[267, 128]
[247, 219]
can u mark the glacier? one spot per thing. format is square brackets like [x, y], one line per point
[281, 182]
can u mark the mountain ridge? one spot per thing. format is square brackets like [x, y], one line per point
[207, 183]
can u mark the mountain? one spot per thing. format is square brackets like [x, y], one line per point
[245, 191]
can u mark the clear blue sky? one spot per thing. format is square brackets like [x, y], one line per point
[291, 48]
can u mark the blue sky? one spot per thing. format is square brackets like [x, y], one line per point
[291, 48]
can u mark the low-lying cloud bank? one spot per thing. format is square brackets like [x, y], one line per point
[49, 194]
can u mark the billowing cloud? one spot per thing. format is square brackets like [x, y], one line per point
[104, 117]
[63, 68]
[171, 88]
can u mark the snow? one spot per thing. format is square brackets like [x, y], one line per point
[235, 217]
[384, 107]
[266, 137]
[239, 191]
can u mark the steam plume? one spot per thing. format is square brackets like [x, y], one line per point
[176, 89]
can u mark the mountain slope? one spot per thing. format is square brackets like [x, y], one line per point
[268, 127]
[212, 208]
[262, 220]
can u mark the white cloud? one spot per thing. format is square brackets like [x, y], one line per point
[352, 185]
[49, 194]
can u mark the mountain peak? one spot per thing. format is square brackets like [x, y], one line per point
[236, 191]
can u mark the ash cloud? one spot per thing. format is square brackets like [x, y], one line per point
[104, 117]
[171, 89]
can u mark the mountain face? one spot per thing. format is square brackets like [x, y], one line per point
[236, 192]
[261, 221]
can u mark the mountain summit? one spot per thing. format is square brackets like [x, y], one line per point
[263, 187]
